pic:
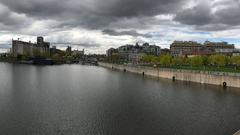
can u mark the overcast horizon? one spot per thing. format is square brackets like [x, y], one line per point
[96, 25]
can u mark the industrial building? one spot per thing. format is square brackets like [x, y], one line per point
[31, 49]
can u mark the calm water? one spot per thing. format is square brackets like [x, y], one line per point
[85, 100]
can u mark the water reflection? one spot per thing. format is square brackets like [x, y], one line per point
[74, 99]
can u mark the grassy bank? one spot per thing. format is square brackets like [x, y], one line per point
[205, 68]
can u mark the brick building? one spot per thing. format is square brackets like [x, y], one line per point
[190, 48]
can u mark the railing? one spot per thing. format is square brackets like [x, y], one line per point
[237, 133]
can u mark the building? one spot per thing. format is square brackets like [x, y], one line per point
[201, 52]
[78, 53]
[111, 52]
[191, 49]
[53, 50]
[31, 49]
[151, 49]
[136, 58]
[69, 50]
[179, 48]
[220, 47]
[236, 52]
[113, 55]
[165, 51]
[134, 53]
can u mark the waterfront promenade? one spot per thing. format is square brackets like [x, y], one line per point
[223, 79]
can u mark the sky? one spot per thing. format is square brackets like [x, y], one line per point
[97, 25]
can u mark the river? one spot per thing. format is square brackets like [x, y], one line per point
[89, 100]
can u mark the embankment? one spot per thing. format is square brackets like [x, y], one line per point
[204, 77]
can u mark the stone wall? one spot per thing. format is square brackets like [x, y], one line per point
[203, 77]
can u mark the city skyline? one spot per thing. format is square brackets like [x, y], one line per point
[97, 25]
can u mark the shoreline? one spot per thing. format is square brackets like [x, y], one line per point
[223, 79]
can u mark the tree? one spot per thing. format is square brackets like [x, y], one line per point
[196, 61]
[218, 60]
[116, 58]
[151, 59]
[56, 57]
[148, 58]
[178, 61]
[235, 60]
[205, 60]
[155, 60]
[166, 60]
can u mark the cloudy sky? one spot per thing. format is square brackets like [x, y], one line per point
[97, 25]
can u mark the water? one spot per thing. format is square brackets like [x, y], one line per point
[85, 100]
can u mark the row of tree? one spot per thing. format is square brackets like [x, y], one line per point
[197, 61]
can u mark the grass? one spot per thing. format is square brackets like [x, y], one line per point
[208, 68]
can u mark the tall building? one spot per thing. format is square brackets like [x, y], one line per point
[69, 50]
[31, 49]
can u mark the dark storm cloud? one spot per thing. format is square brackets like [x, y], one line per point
[123, 33]
[10, 20]
[199, 15]
[108, 14]
[129, 8]
[35, 7]
[93, 14]
[118, 8]
[229, 15]
[203, 17]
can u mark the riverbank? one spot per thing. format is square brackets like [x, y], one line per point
[37, 61]
[224, 79]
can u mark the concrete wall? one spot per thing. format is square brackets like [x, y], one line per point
[203, 77]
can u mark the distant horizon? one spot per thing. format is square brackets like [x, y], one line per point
[63, 46]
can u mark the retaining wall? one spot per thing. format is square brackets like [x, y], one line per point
[203, 77]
